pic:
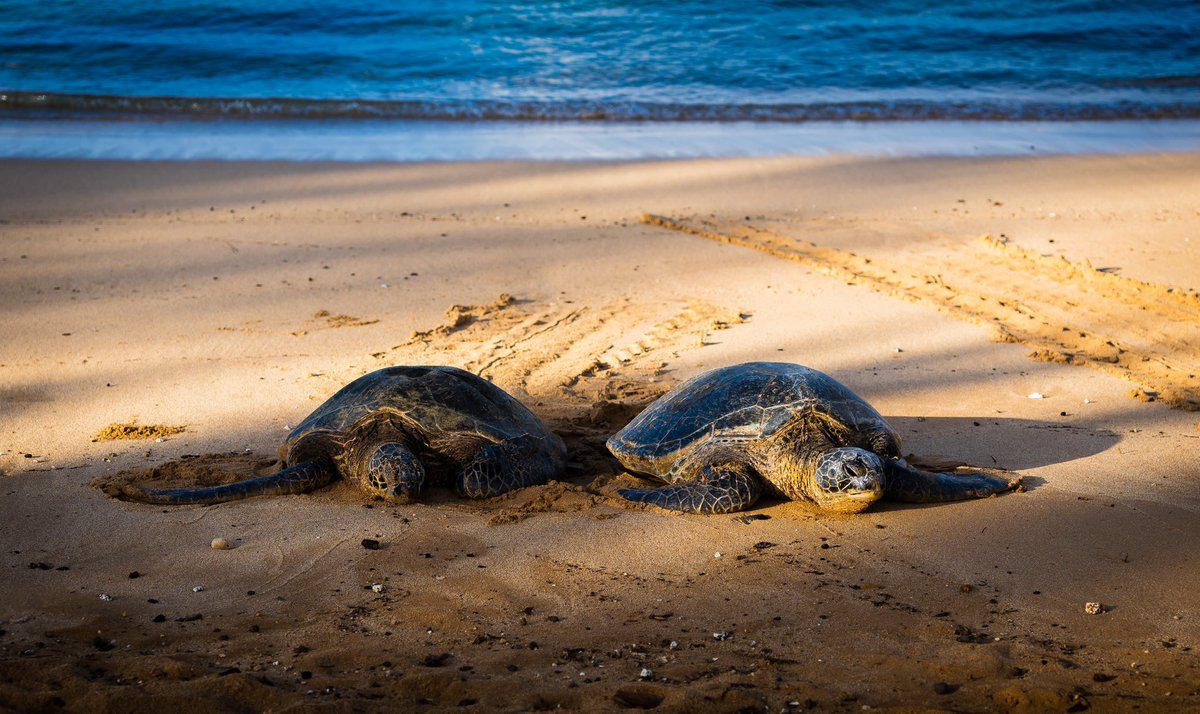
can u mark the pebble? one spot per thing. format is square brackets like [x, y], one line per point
[722, 635]
[198, 589]
[377, 587]
[220, 544]
[1037, 395]
[718, 554]
[1093, 608]
[646, 673]
[106, 597]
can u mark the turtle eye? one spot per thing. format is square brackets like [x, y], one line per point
[857, 475]
[855, 469]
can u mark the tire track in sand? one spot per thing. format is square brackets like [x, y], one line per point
[1066, 312]
[578, 353]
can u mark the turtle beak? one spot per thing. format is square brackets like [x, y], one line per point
[851, 500]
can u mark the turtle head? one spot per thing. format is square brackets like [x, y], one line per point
[393, 473]
[847, 480]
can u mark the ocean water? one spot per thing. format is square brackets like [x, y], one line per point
[187, 76]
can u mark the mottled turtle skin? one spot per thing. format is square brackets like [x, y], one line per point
[398, 429]
[723, 438]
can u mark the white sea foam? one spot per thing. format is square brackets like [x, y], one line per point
[362, 141]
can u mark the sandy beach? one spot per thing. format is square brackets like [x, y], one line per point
[1031, 315]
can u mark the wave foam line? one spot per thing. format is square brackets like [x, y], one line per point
[22, 104]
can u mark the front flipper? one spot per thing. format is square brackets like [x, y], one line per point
[301, 478]
[506, 466]
[902, 482]
[719, 489]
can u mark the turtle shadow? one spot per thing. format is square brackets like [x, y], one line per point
[1006, 444]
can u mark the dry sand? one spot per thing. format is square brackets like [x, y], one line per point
[211, 306]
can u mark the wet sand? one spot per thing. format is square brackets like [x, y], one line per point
[210, 306]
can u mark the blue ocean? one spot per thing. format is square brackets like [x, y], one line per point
[470, 76]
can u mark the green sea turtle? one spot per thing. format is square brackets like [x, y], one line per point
[724, 437]
[395, 430]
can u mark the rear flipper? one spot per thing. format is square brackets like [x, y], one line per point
[902, 482]
[719, 489]
[301, 478]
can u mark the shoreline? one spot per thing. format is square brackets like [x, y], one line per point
[366, 140]
[213, 304]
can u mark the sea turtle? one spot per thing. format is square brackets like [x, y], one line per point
[395, 430]
[724, 437]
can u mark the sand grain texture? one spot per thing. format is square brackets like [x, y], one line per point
[234, 298]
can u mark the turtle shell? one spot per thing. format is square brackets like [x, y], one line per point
[743, 403]
[445, 410]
